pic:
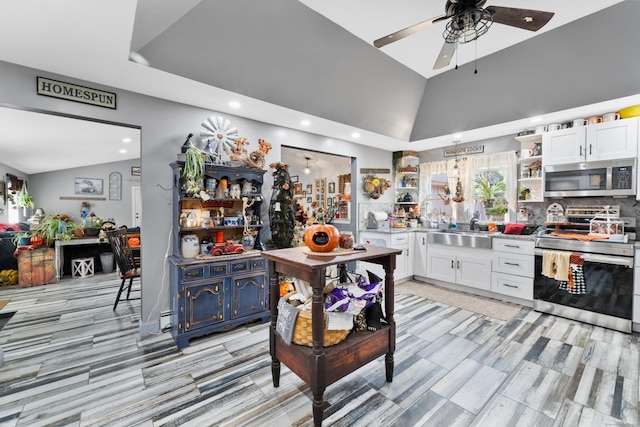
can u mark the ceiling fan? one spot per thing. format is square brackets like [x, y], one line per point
[468, 20]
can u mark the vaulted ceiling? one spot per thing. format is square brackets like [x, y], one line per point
[317, 57]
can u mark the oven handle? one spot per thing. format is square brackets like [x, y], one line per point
[603, 259]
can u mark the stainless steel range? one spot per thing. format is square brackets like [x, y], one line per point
[583, 279]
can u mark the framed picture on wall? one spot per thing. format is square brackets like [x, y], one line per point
[332, 188]
[88, 186]
[309, 188]
[136, 170]
[295, 178]
[304, 194]
[309, 199]
[297, 188]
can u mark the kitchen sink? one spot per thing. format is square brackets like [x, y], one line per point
[465, 239]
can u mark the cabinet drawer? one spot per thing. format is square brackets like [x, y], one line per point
[521, 265]
[515, 286]
[257, 264]
[399, 239]
[193, 273]
[239, 266]
[218, 269]
[513, 246]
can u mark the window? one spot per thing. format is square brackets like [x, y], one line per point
[496, 172]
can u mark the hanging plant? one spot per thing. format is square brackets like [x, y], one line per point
[24, 199]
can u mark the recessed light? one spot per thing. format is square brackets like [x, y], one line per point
[457, 135]
[123, 151]
[126, 140]
[355, 135]
[536, 119]
[235, 104]
[305, 123]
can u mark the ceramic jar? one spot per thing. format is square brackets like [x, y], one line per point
[190, 246]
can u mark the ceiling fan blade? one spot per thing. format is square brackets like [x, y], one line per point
[526, 19]
[445, 55]
[406, 32]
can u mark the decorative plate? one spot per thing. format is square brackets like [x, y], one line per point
[218, 137]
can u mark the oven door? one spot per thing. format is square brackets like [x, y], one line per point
[608, 292]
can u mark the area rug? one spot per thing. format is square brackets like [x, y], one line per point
[3, 302]
[477, 304]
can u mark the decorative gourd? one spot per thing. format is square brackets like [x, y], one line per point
[321, 237]
[36, 240]
[134, 242]
[286, 287]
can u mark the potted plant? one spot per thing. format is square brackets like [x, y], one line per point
[488, 186]
[193, 170]
[56, 227]
[21, 238]
[499, 208]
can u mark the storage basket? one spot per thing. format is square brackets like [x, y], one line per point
[302, 331]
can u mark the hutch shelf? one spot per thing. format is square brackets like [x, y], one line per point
[320, 366]
[212, 293]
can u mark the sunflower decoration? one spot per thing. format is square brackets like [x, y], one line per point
[374, 187]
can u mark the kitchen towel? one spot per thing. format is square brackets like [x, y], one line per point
[576, 283]
[555, 265]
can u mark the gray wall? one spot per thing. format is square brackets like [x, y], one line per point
[47, 188]
[164, 126]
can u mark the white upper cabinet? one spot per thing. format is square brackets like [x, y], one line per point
[613, 140]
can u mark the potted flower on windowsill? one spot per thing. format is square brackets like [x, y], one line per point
[487, 188]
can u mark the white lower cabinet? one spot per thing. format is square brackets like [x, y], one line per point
[419, 258]
[404, 242]
[462, 266]
[513, 268]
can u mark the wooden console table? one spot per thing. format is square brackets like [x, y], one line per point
[320, 366]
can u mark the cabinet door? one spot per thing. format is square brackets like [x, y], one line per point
[474, 270]
[204, 304]
[613, 140]
[441, 265]
[419, 259]
[401, 241]
[564, 146]
[249, 295]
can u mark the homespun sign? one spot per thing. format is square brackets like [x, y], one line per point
[71, 92]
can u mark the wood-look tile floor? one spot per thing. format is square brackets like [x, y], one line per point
[70, 360]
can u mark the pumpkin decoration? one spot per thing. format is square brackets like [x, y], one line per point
[286, 287]
[36, 240]
[321, 237]
[134, 242]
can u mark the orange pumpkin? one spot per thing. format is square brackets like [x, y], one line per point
[134, 242]
[36, 240]
[286, 287]
[321, 237]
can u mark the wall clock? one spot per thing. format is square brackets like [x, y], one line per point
[115, 186]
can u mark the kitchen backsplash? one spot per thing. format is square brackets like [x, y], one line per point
[629, 207]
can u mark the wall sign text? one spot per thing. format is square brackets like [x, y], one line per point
[72, 92]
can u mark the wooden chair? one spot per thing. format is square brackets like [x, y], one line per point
[125, 261]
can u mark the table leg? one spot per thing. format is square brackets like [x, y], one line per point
[274, 295]
[58, 260]
[318, 408]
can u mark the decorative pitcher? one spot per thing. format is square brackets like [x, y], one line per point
[190, 246]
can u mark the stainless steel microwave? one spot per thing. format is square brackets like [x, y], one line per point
[602, 178]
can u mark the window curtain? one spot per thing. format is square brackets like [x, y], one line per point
[504, 163]
[428, 170]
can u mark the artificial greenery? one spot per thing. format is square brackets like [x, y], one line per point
[499, 208]
[24, 200]
[20, 235]
[56, 227]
